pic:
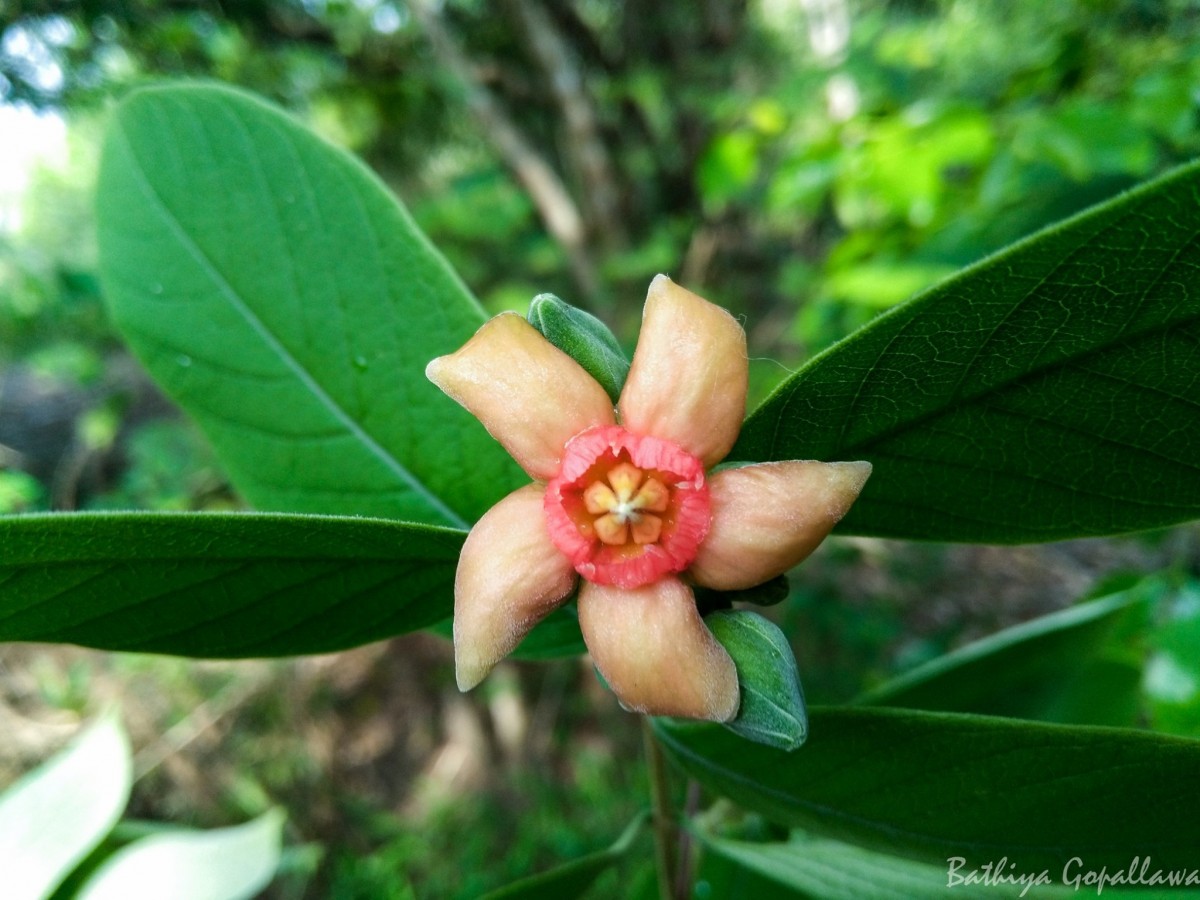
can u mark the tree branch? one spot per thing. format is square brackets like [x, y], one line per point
[554, 204]
[584, 146]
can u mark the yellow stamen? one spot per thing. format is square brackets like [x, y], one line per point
[653, 496]
[599, 498]
[625, 479]
[624, 504]
[646, 529]
[612, 530]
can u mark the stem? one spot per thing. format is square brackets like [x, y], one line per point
[664, 820]
[541, 181]
[683, 874]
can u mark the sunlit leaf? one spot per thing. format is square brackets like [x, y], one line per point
[233, 863]
[285, 299]
[52, 818]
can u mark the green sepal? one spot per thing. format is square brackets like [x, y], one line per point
[772, 710]
[582, 337]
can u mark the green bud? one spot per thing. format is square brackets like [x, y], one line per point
[772, 710]
[582, 337]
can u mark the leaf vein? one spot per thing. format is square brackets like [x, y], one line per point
[306, 378]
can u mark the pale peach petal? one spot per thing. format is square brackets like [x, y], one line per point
[655, 651]
[528, 394]
[769, 516]
[509, 578]
[688, 380]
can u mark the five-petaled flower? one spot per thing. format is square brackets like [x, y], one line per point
[621, 498]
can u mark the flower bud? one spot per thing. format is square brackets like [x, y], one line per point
[582, 337]
[772, 711]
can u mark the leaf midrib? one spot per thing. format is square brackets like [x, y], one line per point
[306, 378]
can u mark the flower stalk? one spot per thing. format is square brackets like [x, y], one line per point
[666, 830]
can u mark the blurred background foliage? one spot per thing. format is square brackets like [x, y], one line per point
[806, 163]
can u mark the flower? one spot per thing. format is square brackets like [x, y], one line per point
[621, 497]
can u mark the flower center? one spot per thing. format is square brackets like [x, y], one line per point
[627, 509]
[625, 504]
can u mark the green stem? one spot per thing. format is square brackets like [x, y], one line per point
[664, 820]
[684, 864]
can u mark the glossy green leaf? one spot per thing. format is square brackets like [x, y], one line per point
[233, 863]
[221, 584]
[1045, 393]
[282, 296]
[53, 817]
[574, 878]
[937, 785]
[1053, 668]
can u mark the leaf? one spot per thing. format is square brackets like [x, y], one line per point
[772, 709]
[220, 864]
[831, 870]
[813, 867]
[1051, 668]
[51, 818]
[221, 584]
[575, 877]
[584, 338]
[1049, 392]
[1172, 678]
[933, 786]
[276, 290]
[555, 637]
[721, 876]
